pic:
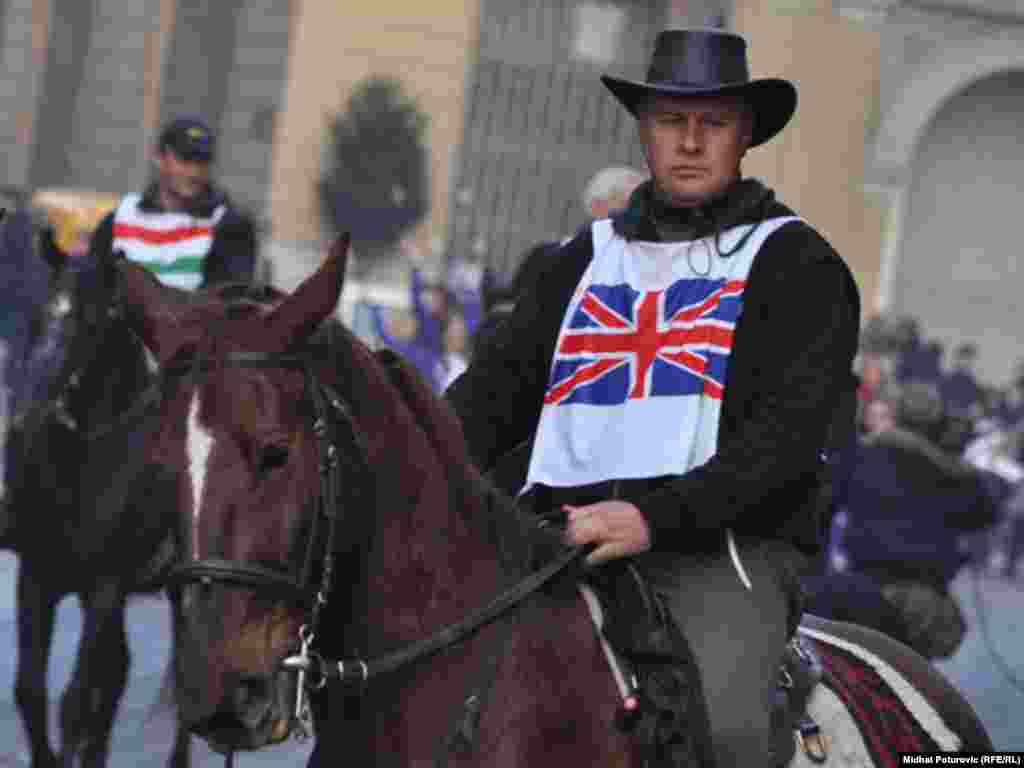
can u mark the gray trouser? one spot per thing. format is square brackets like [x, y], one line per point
[737, 635]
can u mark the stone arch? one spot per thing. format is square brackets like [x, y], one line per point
[957, 268]
[951, 69]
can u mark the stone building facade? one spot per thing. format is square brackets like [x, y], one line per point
[903, 151]
[89, 81]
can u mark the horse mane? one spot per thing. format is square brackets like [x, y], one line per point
[334, 346]
[119, 371]
[367, 375]
[391, 402]
[235, 293]
[484, 507]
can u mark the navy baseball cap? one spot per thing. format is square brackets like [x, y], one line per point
[190, 138]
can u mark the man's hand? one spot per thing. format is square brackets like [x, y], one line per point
[617, 527]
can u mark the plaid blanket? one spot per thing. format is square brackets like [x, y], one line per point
[886, 724]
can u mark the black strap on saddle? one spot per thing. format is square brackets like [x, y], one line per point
[670, 723]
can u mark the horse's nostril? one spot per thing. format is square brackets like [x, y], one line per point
[249, 690]
[251, 700]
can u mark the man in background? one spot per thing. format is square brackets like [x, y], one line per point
[609, 190]
[183, 226]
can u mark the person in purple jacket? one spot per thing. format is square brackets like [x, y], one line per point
[425, 348]
[909, 505]
[960, 389]
[25, 286]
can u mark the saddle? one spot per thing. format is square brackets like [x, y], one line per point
[663, 704]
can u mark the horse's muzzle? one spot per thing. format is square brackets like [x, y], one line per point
[251, 716]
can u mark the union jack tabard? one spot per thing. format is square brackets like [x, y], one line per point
[623, 344]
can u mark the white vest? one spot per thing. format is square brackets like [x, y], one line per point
[636, 383]
[172, 245]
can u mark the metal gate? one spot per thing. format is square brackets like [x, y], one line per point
[539, 123]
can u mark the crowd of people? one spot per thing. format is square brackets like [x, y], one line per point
[930, 484]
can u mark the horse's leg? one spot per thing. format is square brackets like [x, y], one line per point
[90, 702]
[37, 605]
[1014, 549]
[180, 756]
[182, 740]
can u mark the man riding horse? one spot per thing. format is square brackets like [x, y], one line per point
[183, 227]
[676, 369]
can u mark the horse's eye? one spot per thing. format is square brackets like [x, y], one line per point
[271, 456]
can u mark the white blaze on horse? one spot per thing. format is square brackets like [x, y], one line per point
[349, 571]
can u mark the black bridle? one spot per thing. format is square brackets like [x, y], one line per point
[57, 406]
[335, 429]
[331, 415]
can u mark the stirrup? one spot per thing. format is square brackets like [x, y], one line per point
[812, 741]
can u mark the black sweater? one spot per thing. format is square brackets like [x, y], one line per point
[792, 356]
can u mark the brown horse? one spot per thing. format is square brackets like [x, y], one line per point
[329, 510]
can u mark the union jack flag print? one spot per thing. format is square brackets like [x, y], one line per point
[625, 344]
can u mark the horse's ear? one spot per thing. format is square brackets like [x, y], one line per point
[50, 251]
[301, 312]
[149, 307]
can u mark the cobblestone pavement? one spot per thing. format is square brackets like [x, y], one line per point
[140, 740]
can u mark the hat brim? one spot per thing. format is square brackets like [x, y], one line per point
[773, 100]
[192, 154]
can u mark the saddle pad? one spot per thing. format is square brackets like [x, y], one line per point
[891, 715]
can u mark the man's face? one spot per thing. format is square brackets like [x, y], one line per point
[182, 180]
[694, 144]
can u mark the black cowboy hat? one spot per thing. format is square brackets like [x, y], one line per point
[702, 62]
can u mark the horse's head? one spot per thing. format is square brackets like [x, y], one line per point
[240, 431]
[65, 332]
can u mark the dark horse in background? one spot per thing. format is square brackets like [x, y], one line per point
[337, 544]
[81, 512]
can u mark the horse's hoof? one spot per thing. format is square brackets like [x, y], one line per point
[44, 761]
[78, 760]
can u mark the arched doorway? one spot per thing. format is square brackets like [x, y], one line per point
[961, 264]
